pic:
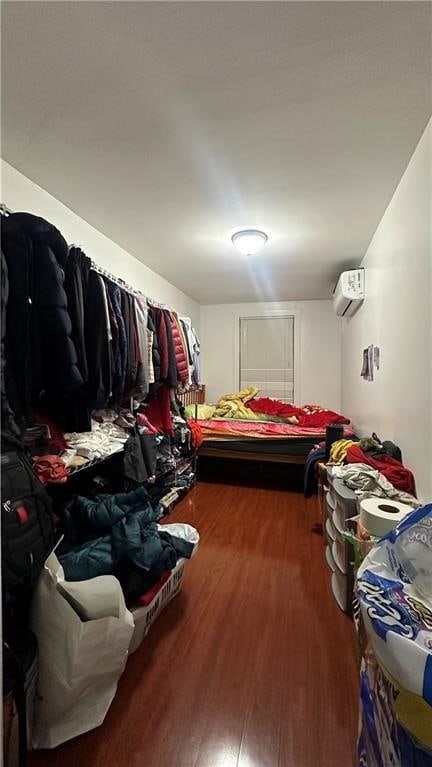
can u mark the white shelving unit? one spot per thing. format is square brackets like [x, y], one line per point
[340, 504]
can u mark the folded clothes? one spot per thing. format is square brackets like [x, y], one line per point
[104, 439]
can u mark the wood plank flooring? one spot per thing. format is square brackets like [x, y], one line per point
[252, 665]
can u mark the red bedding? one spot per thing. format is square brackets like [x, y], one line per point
[312, 416]
[215, 429]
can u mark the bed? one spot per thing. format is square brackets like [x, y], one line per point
[258, 441]
[266, 441]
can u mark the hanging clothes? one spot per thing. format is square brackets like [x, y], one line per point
[7, 416]
[158, 411]
[20, 373]
[141, 319]
[162, 338]
[175, 351]
[194, 346]
[181, 350]
[97, 343]
[54, 361]
[154, 353]
[76, 285]
[119, 375]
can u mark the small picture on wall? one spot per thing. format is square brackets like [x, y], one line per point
[368, 363]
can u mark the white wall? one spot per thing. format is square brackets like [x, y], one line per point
[396, 316]
[21, 194]
[319, 371]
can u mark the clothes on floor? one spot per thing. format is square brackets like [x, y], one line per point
[101, 532]
[136, 581]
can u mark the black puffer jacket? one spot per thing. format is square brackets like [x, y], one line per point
[7, 415]
[52, 331]
[21, 374]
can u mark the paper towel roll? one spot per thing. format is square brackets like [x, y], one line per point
[380, 515]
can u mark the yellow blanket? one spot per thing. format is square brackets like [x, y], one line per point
[233, 405]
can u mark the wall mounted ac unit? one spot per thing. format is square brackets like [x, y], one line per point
[349, 292]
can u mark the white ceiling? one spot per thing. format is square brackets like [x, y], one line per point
[168, 125]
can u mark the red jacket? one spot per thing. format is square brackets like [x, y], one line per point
[180, 353]
[394, 470]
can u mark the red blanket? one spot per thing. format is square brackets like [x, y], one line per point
[312, 416]
[394, 470]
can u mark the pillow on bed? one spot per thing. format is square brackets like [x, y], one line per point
[204, 412]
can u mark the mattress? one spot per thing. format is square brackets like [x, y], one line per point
[232, 430]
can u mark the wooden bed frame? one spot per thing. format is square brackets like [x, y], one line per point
[214, 452]
[197, 397]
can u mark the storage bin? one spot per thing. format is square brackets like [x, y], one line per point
[339, 584]
[145, 615]
[339, 553]
[330, 531]
[329, 559]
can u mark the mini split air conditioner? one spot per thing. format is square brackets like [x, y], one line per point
[349, 292]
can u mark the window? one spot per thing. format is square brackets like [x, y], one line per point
[267, 355]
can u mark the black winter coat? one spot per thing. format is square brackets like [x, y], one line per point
[7, 416]
[21, 372]
[53, 350]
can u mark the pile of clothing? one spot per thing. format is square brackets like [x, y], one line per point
[74, 340]
[246, 406]
[119, 535]
[310, 416]
[371, 467]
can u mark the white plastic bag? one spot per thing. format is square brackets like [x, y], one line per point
[80, 659]
[393, 585]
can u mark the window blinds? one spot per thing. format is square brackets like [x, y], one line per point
[267, 356]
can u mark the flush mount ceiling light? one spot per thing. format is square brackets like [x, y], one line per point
[249, 241]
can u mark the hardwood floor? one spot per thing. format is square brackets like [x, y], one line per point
[252, 665]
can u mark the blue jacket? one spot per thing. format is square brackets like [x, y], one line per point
[101, 532]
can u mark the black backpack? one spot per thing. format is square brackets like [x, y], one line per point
[27, 523]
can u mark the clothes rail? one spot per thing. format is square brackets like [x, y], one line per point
[122, 284]
[6, 211]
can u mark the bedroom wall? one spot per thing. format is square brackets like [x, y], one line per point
[396, 316]
[319, 374]
[19, 193]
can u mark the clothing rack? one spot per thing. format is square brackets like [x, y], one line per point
[6, 211]
[122, 284]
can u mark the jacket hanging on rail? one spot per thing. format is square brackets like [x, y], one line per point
[53, 359]
[97, 344]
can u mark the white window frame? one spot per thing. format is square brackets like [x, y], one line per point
[259, 314]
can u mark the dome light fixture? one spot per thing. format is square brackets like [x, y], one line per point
[249, 241]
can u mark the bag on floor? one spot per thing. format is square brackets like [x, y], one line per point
[83, 630]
